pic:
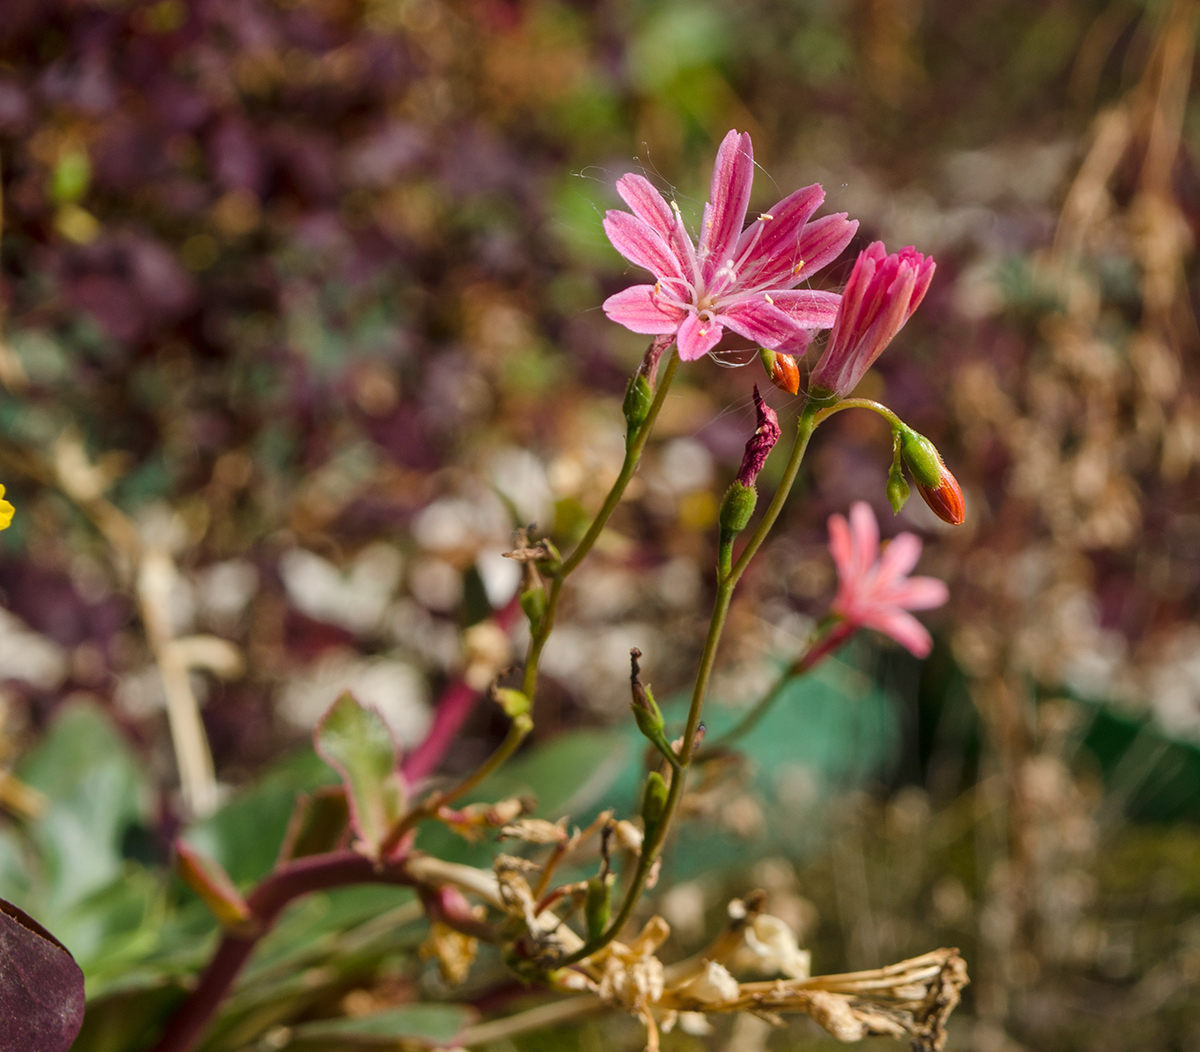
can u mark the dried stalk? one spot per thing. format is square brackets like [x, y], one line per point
[911, 999]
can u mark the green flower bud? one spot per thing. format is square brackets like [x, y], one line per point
[654, 800]
[736, 508]
[648, 715]
[514, 703]
[533, 602]
[935, 483]
[597, 906]
[897, 489]
[922, 458]
[551, 563]
[638, 398]
[645, 709]
[897, 485]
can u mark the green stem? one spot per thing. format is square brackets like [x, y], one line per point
[521, 726]
[724, 555]
[829, 634]
[652, 846]
[860, 403]
[633, 454]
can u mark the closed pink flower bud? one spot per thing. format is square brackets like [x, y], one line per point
[881, 295]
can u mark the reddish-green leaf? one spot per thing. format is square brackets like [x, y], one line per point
[358, 744]
[207, 879]
[319, 824]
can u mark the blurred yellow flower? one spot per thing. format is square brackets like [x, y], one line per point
[6, 511]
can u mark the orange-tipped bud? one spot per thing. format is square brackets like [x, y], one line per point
[935, 483]
[946, 500]
[782, 370]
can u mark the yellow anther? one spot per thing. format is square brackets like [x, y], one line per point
[798, 267]
[765, 216]
[767, 296]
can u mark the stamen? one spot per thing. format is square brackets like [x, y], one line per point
[767, 297]
[798, 267]
[765, 216]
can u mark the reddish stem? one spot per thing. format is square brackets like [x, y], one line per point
[832, 641]
[455, 705]
[314, 873]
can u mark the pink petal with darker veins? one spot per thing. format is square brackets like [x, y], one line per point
[809, 308]
[776, 245]
[729, 197]
[641, 308]
[646, 202]
[797, 345]
[651, 207]
[819, 244]
[697, 337]
[824, 240]
[757, 320]
[639, 243]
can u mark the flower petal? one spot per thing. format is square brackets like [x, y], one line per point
[729, 197]
[697, 337]
[642, 308]
[823, 241]
[840, 545]
[652, 208]
[860, 303]
[899, 557]
[864, 532]
[809, 308]
[774, 244]
[916, 593]
[797, 345]
[646, 203]
[758, 320]
[640, 243]
[903, 628]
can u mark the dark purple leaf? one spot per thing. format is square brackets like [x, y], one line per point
[41, 986]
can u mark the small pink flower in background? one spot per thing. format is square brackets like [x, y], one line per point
[874, 591]
[743, 280]
[881, 295]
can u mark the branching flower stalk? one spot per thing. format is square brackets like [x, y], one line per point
[743, 281]
[654, 843]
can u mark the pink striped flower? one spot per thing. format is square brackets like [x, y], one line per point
[743, 280]
[881, 295]
[874, 591]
